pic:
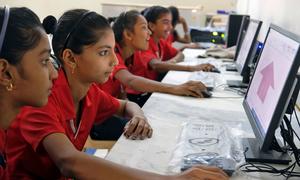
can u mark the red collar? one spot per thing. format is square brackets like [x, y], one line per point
[62, 93]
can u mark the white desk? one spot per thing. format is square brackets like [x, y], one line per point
[166, 113]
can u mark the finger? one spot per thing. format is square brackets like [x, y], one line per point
[195, 88]
[217, 175]
[139, 127]
[145, 131]
[150, 132]
[195, 93]
[212, 169]
[200, 87]
[205, 174]
[131, 127]
[125, 130]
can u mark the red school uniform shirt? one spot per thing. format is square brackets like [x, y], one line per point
[3, 165]
[25, 153]
[163, 51]
[171, 38]
[112, 85]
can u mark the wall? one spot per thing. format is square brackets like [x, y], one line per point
[284, 13]
[57, 7]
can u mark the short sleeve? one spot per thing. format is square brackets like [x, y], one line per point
[107, 106]
[143, 58]
[169, 50]
[37, 123]
[121, 65]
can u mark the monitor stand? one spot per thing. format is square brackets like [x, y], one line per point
[254, 154]
[236, 84]
[231, 67]
[240, 83]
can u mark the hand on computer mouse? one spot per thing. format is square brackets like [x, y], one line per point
[190, 88]
[202, 67]
[206, 93]
[215, 70]
[201, 56]
[202, 173]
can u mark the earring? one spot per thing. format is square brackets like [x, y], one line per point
[10, 87]
[73, 68]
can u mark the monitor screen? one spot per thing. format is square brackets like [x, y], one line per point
[233, 28]
[271, 85]
[248, 45]
[242, 32]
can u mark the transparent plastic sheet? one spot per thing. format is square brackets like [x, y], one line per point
[209, 144]
[206, 78]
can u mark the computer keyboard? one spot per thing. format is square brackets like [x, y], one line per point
[228, 165]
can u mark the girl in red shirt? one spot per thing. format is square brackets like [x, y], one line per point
[23, 46]
[174, 35]
[132, 34]
[49, 140]
[48, 144]
[161, 56]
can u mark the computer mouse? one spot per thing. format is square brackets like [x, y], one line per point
[215, 70]
[209, 88]
[206, 93]
[201, 56]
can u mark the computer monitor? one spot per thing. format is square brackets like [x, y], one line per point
[269, 93]
[233, 28]
[246, 54]
[241, 36]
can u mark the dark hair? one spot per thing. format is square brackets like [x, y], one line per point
[77, 28]
[153, 13]
[22, 34]
[126, 20]
[175, 15]
[111, 19]
[49, 24]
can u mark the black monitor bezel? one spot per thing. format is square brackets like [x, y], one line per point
[266, 141]
[242, 32]
[231, 36]
[242, 69]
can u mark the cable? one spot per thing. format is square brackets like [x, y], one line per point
[288, 133]
[239, 91]
[228, 97]
[266, 168]
[220, 85]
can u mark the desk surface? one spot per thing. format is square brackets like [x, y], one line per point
[167, 114]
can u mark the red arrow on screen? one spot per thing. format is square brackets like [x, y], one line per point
[266, 82]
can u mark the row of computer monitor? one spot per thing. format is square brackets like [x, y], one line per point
[273, 82]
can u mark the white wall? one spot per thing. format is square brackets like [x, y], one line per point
[284, 13]
[54, 7]
[57, 7]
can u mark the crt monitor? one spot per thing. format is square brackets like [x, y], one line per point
[269, 93]
[246, 53]
[233, 28]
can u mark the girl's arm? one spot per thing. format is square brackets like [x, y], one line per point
[138, 126]
[162, 66]
[138, 83]
[76, 164]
